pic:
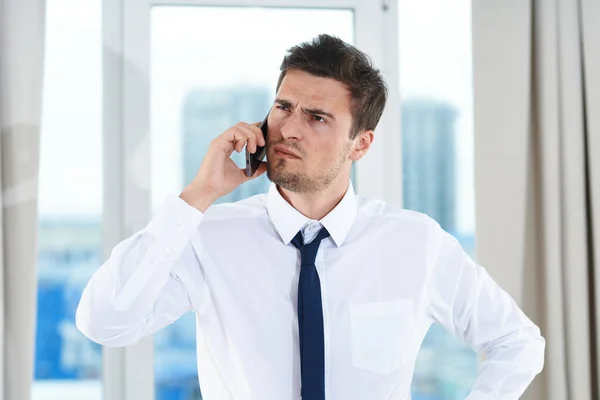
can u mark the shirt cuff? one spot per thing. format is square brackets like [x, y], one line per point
[174, 222]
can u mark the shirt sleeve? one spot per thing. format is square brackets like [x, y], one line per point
[468, 303]
[149, 281]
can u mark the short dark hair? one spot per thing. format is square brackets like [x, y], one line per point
[330, 57]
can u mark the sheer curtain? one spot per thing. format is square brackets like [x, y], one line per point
[537, 149]
[21, 69]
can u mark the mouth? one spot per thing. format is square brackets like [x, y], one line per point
[283, 153]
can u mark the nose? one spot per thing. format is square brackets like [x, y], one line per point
[291, 129]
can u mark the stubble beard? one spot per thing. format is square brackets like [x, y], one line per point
[278, 171]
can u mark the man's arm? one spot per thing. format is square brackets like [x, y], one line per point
[471, 306]
[149, 281]
[154, 276]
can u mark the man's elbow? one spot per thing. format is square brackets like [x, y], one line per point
[537, 347]
[528, 347]
[534, 347]
[524, 346]
[102, 334]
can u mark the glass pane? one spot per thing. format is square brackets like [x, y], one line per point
[202, 84]
[437, 158]
[67, 364]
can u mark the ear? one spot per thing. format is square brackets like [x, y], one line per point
[361, 145]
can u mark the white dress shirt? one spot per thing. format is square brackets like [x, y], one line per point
[386, 275]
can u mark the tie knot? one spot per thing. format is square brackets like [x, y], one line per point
[308, 251]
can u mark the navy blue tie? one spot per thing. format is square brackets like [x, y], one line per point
[310, 320]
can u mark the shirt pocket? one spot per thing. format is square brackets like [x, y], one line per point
[382, 334]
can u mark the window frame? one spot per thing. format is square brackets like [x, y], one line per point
[129, 372]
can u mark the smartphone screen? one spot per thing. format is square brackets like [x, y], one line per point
[253, 160]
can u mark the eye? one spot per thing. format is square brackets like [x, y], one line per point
[318, 118]
[283, 108]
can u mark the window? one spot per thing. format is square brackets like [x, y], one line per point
[67, 364]
[201, 85]
[437, 158]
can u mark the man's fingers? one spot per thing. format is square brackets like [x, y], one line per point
[243, 136]
[254, 137]
[252, 141]
[260, 137]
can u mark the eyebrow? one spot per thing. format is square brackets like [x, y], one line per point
[317, 111]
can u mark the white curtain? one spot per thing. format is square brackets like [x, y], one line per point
[21, 67]
[537, 175]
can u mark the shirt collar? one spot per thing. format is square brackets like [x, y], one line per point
[288, 221]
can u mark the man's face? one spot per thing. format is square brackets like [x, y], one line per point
[311, 119]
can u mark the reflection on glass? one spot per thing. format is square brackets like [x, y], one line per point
[67, 364]
[437, 136]
[202, 84]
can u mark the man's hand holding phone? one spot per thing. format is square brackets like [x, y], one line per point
[219, 175]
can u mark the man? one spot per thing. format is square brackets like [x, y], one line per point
[309, 290]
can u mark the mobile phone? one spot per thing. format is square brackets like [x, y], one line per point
[253, 160]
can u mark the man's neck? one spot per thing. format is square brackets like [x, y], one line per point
[316, 205]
